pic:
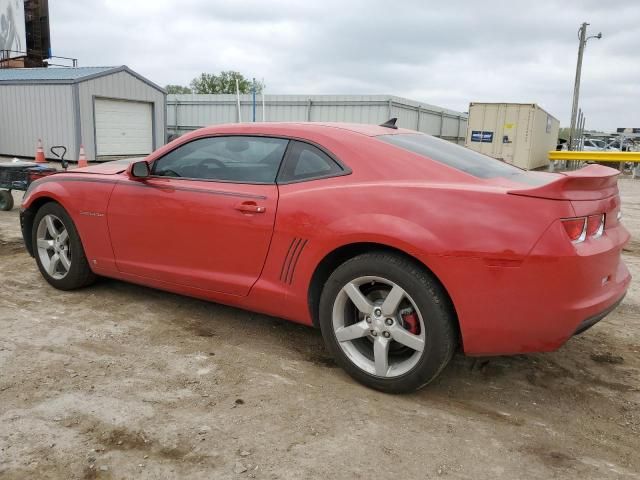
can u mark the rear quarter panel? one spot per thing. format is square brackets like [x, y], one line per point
[439, 224]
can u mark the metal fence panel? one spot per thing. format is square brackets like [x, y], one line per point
[189, 112]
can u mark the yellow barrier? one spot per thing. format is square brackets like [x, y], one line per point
[598, 156]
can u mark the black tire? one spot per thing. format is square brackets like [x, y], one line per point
[6, 200]
[79, 274]
[428, 296]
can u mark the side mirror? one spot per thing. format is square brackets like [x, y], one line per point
[139, 170]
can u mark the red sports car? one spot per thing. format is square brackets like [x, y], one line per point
[399, 246]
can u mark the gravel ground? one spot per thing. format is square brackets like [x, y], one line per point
[120, 381]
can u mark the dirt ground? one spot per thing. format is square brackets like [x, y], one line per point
[119, 381]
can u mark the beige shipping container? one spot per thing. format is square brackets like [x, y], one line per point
[517, 133]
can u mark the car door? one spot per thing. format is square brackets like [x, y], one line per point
[205, 216]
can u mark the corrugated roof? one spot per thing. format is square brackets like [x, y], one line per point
[32, 76]
[43, 74]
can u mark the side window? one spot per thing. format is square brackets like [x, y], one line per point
[227, 159]
[305, 161]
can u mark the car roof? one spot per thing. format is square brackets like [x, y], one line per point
[301, 128]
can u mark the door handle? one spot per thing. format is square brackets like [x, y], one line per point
[250, 207]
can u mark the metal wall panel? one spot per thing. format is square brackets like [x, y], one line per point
[188, 112]
[29, 112]
[124, 86]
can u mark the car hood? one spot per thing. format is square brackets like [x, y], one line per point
[108, 168]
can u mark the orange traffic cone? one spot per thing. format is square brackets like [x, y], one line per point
[40, 153]
[82, 160]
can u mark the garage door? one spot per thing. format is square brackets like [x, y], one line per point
[123, 127]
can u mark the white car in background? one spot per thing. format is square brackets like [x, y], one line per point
[596, 145]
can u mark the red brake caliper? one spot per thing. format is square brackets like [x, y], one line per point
[410, 320]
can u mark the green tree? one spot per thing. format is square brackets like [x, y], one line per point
[563, 133]
[225, 82]
[177, 89]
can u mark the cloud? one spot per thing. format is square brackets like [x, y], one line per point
[446, 54]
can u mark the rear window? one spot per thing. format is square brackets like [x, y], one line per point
[453, 155]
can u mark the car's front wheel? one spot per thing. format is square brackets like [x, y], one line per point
[58, 249]
[387, 322]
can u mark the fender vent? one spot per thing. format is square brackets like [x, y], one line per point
[291, 259]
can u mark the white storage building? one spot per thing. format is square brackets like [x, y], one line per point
[113, 111]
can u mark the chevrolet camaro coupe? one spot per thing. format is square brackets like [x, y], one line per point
[399, 246]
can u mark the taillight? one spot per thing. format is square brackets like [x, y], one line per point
[580, 228]
[595, 225]
[576, 228]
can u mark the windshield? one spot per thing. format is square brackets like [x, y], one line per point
[453, 155]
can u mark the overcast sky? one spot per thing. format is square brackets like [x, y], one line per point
[445, 53]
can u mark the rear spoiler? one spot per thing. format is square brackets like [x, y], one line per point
[593, 182]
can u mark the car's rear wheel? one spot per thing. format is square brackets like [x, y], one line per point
[387, 322]
[58, 249]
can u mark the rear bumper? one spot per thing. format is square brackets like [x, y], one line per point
[557, 291]
[591, 321]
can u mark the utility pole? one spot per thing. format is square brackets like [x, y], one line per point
[238, 100]
[582, 35]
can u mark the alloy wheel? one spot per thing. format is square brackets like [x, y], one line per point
[53, 246]
[378, 326]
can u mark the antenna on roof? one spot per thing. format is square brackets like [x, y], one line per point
[391, 123]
